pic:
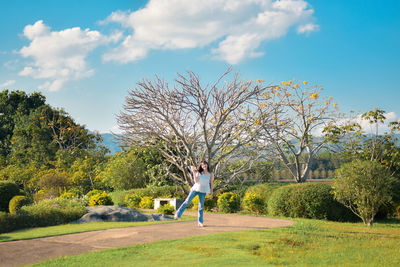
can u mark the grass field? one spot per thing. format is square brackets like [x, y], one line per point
[307, 243]
[75, 228]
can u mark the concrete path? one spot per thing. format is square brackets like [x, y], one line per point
[17, 253]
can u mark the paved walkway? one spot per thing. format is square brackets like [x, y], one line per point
[17, 253]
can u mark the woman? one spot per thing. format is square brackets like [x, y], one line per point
[203, 185]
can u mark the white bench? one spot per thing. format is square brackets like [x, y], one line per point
[174, 202]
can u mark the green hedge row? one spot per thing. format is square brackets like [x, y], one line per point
[308, 200]
[44, 213]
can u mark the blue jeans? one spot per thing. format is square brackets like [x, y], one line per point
[192, 194]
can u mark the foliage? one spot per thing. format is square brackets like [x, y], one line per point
[166, 209]
[68, 195]
[356, 144]
[39, 196]
[44, 213]
[289, 114]
[209, 203]
[85, 171]
[93, 192]
[7, 191]
[363, 187]
[12, 105]
[132, 200]
[124, 171]
[166, 191]
[309, 200]
[254, 203]
[146, 203]
[229, 202]
[53, 182]
[263, 191]
[17, 202]
[100, 199]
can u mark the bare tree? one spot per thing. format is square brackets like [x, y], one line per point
[298, 115]
[190, 122]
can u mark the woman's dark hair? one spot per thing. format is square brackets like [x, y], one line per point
[200, 169]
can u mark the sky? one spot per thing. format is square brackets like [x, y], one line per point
[85, 56]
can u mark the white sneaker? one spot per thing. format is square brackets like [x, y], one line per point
[176, 217]
[201, 225]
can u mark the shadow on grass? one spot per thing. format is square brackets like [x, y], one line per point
[389, 221]
[2, 238]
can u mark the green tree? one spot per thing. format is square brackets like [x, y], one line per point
[135, 168]
[364, 186]
[85, 171]
[32, 140]
[14, 104]
[354, 143]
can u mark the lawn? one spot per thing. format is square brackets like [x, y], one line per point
[75, 228]
[307, 243]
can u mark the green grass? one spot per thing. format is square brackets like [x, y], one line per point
[307, 243]
[75, 228]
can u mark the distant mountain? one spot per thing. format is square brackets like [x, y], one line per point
[111, 143]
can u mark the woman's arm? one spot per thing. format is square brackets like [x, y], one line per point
[195, 174]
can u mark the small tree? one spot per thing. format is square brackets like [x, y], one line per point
[363, 186]
[298, 114]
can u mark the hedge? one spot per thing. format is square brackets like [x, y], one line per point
[44, 213]
[259, 192]
[17, 202]
[7, 191]
[308, 200]
[229, 202]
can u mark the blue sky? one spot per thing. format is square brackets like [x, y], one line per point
[84, 56]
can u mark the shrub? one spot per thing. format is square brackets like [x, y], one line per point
[263, 191]
[166, 191]
[229, 202]
[53, 182]
[68, 195]
[308, 200]
[132, 200]
[209, 203]
[118, 197]
[39, 196]
[166, 210]
[44, 213]
[7, 191]
[253, 203]
[364, 186]
[147, 203]
[17, 202]
[100, 199]
[93, 192]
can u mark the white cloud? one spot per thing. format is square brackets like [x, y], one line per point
[7, 83]
[307, 28]
[382, 127]
[366, 127]
[238, 27]
[59, 56]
